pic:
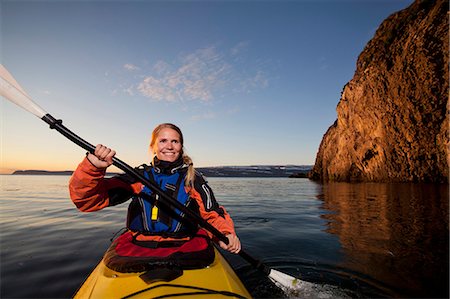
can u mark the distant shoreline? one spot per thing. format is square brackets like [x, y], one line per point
[41, 172]
[47, 172]
[295, 171]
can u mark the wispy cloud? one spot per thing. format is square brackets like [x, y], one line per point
[236, 50]
[130, 67]
[161, 67]
[259, 80]
[196, 76]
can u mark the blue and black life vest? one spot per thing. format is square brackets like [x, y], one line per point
[146, 217]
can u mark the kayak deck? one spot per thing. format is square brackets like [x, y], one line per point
[218, 280]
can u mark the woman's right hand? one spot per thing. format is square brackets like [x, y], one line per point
[102, 157]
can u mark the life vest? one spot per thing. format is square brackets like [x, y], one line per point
[146, 217]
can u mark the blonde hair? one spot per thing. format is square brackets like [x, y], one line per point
[190, 175]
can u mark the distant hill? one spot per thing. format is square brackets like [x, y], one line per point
[220, 171]
[41, 172]
[256, 171]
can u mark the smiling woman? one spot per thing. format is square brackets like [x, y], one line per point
[173, 172]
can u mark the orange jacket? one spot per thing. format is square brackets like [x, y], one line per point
[89, 191]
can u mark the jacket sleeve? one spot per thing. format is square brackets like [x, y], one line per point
[210, 210]
[91, 191]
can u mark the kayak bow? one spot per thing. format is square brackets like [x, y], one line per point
[218, 280]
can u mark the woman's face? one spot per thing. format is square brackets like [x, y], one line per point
[167, 145]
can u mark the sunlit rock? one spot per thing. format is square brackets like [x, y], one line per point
[392, 118]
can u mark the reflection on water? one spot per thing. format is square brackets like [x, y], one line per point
[395, 233]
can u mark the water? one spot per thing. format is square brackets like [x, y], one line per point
[359, 240]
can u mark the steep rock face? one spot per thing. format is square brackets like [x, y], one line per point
[392, 122]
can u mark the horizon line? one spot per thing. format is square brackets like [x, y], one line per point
[12, 171]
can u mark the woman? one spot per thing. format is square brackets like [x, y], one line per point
[173, 171]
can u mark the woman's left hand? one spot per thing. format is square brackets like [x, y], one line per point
[234, 245]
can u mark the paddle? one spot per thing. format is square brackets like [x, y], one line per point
[12, 91]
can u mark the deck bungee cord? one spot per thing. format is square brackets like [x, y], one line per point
[198, 291]
[12, 91]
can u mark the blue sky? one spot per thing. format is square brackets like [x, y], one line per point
[248, 82]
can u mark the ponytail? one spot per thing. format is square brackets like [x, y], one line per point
[190, 175]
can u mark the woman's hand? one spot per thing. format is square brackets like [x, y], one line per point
[234, 245]
[102, 157]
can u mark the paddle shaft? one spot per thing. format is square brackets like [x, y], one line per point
[168, 202]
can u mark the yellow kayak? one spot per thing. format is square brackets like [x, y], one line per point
[218, 280]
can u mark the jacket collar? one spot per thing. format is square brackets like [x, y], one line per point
[166, 167]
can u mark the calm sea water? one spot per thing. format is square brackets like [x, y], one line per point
[368, 240]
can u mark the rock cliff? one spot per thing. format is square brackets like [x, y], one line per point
[392, 118]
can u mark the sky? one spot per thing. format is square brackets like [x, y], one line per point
[248, 82]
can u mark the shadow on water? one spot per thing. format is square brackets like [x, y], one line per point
[394, 233]
[393, 238]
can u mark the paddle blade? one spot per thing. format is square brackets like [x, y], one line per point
[286, 282]
[12, 91]
[294, 287]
